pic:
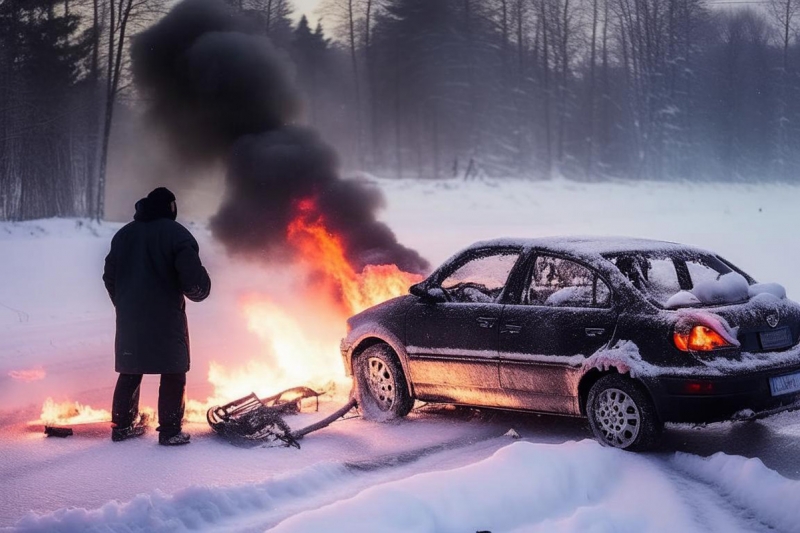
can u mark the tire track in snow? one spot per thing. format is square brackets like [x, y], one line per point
[712, 509]
[411, 456]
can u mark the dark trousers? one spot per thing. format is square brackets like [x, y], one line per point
[171, 403]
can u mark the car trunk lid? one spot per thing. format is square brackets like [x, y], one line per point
[765, 323]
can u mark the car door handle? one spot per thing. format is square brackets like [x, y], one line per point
[594, 332]
[486, 321]
[511, 329]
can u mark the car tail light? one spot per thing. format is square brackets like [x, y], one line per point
[698, 387]
[700, 339]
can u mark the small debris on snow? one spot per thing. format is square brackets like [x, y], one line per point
[61, 432]
[512, 433]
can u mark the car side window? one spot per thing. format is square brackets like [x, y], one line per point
[481, 279]
[557, 282]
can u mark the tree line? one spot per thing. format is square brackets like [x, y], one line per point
[63, 73]
[585, 89]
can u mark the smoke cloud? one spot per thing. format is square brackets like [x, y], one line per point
[219, 90]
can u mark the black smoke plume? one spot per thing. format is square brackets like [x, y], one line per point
[219, 89]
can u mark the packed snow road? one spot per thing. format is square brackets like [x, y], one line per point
[439, 470]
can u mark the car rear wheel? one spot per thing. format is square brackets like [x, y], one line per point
[621, 414]
[381, 389]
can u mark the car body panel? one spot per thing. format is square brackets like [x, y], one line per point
[732, 395]
[452, 348]
[384, 322]
[536, 341]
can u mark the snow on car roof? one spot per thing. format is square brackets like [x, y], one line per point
[590, 246]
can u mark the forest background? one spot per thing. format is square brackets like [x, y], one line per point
[587, 90]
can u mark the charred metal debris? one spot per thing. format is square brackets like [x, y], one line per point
[251, 421]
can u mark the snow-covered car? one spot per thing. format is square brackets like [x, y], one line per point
[630, 333]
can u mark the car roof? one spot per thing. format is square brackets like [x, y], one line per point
[591, 247]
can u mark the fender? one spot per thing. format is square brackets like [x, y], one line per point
[359, 335]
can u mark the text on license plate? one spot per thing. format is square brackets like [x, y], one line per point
[784, 384]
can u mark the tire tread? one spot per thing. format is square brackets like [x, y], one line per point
[404, 402]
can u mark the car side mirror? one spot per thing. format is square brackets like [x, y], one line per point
[432, 294]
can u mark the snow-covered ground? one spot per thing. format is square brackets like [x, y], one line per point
[438, 470]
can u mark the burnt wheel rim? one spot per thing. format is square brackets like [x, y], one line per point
[381, 383]
[617, 417]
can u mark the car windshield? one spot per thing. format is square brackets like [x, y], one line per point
[682, 279]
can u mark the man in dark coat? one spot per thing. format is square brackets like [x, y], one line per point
[153, 263]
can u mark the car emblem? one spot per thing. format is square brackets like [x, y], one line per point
[772, 320]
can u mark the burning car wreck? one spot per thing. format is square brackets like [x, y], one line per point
[629, 333]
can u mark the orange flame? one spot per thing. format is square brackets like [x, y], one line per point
[300, 345]
[292, 355]
[70, 414]
[324, 252]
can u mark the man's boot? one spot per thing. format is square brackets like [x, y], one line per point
[138, 429]
[178, 439]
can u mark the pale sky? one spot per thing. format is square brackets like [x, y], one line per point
[307, 8]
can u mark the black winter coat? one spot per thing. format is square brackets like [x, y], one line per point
[152, 265]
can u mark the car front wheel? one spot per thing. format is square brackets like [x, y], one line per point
[621, 414]
[381, 389]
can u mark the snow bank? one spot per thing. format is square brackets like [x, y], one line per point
[749, 484]
[194, 508]
[573, 487]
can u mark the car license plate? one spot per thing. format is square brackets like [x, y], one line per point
[778, 338]
[784, 384]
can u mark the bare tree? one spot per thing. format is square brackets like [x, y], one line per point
[125, 17]
[785, 15]
[545, 65]
[590, 138]
[352, 20]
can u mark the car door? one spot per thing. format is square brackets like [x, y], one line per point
[565, 314]
[452, 343]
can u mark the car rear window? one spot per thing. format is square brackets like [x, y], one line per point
[662, 276]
